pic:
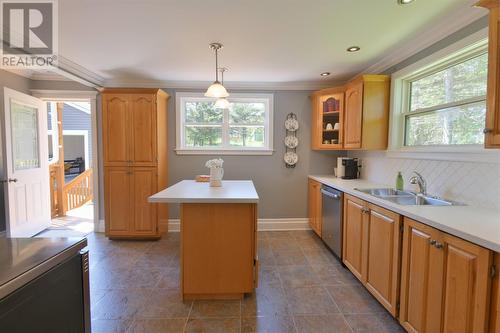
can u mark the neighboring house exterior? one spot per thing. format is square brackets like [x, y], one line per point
[77, 131]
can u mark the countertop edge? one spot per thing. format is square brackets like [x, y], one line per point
[19, 281]
[400, 210]
[201, 200]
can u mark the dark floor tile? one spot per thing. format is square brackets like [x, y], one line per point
[265, 301]
[139, 277]
[110, 325]
[217, 308]
[154, 259]
[165, 303]
[334, 323]
[353, 299]
[268, 275]
[267, 324]
[373, 323]
[121, 304]
[213, 325]
[310, 300]
[169, 279]
[297, 276]
[157, 326]
[289, 257]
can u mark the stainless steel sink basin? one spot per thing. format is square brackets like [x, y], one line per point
[406, 198]
[415, 200]
[384, 192]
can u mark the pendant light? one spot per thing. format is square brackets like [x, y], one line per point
[216, 90]
[222, 103]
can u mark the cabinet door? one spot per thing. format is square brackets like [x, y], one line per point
[492, 137]
[466, 286]
[354, 233]
[118, 201]
[314, 206]
[145, 213]
[353, 115]
[383, 248]
[116, 129]
[143, 119]
[421, 279]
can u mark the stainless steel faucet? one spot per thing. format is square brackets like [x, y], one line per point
[419, 180]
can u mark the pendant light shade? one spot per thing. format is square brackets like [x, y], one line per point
[216, 89]
[222, 103]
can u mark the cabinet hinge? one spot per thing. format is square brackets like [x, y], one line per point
[493, 271]
[401, 227]
[398, 305]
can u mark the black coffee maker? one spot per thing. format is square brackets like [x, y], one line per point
[351, 168]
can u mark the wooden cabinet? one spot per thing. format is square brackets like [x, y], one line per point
[353, 123]
[327, 110]
[134, 123]
[445, 284]
[362, 111]
[492, 129]
[371, 249]
[314, 206]
[495, 298]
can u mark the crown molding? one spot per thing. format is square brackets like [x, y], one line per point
[197, 85]
[75, 72]
[435, 32]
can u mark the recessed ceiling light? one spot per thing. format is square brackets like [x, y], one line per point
[404, 2]
[353, 49]
[325, 74]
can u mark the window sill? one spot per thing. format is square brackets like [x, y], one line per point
[223, 152]
[460, 154]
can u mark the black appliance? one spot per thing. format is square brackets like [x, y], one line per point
[351, 168]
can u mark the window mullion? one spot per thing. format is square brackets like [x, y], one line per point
[225, 128]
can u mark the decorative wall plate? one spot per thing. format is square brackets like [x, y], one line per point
[291, 158]
[291, 124]
[291, 141]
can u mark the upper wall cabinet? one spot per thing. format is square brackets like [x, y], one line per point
[328, 119]
[492, 130]
[360, 120]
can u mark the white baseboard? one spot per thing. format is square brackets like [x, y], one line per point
[262, 224]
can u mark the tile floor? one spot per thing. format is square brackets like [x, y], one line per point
[302, 288]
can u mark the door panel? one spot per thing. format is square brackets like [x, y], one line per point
[144, 180]
[143, 114]
[116, 130]
[353, 117]
[118, 200]
[354, 231]
[421, 279]
[382, 278]
[466, 286]
[26, 178]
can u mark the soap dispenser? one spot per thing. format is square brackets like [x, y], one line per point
[399, 181]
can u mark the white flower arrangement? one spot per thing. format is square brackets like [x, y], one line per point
[215, 163]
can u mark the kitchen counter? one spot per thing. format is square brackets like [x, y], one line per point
[477, 225]
[190, 191]
[24, 259]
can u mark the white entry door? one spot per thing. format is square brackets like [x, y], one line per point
[26, 178]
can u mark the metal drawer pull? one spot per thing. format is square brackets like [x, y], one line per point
[10, 180]
[438, 245]
[432, 242]
[487, 130]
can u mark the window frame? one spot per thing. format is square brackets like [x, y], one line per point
[466, 48]
[225, 149]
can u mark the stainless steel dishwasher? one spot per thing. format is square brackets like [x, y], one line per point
[331, 217]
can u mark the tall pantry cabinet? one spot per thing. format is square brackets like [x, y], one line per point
[134, 127]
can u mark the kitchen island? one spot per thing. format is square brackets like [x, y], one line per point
[218, 237]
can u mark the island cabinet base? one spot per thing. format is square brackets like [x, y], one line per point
[218, 250]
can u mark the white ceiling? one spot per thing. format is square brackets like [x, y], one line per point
[264, 40]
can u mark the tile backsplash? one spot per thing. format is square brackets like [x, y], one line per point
[473, 183]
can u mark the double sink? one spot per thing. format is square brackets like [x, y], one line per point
[407, 198]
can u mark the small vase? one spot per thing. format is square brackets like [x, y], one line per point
[216, 175]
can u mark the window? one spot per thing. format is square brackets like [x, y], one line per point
[445, 104]
[244, 128]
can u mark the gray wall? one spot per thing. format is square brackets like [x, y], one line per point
[21, 84]
[282, 191]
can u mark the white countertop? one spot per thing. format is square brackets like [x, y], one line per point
[477, 225]
[190, 191]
